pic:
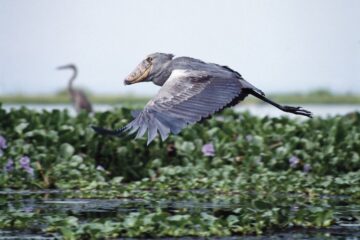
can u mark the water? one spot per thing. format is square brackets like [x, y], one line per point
[321, 110]
[53, 202]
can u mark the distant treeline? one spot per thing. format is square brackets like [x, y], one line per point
[314, 97]
[320, 96]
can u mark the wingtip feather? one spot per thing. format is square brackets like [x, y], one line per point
[104, 131]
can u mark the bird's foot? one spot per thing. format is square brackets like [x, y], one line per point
[297, 110]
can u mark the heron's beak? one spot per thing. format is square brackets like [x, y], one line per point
[140, 73]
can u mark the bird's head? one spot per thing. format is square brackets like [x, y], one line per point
[68, 66]
[148, 68]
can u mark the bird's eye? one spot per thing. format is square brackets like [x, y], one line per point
[149, 59]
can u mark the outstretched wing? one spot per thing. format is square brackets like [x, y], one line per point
[186, 97]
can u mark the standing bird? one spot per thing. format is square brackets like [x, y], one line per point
[191, 90]
[78, 97]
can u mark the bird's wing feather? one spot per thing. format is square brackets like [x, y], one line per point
[186, 97]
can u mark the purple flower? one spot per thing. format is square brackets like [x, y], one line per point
[25, 164]
[249, 137]
[294, 161]
[2, 145]
[294, 208]
[30, 171]
[9, 166]
[307, 168]
[100, 168]
[28, 209]
[2, 142]
[208, 150]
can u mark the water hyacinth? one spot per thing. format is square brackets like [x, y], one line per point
[9, 166]
[295, 208]
[307, 168]
[258, 161]
[249, 137]
[3, 145]
[208, 150]
[294, 161]
[25, 164]
[28, 209]
[100, 168]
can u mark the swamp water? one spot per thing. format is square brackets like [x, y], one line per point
[56, 203]
[320, 110]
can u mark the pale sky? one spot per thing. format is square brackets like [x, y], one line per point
[278, 45]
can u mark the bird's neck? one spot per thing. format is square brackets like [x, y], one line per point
[70, 85]
[163, 74]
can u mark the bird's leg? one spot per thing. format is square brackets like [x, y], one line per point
[289, 109]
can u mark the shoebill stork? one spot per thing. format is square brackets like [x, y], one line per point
[191, 90]
[78, 97]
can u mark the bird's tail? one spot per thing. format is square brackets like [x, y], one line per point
[104, 131]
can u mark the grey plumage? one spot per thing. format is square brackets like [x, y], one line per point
[191, 90]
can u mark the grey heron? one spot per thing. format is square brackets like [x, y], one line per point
[78, 97]
[191, 90]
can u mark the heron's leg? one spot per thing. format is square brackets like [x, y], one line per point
[289, 109]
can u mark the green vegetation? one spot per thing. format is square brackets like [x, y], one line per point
[314, 97]
[64, 98]
[269, 173]
[317, 97]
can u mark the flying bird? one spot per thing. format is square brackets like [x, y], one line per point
[192, 90]
[78, 97]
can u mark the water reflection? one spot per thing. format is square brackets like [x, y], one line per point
[53, 202]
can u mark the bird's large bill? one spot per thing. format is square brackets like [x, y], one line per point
[140, 73]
